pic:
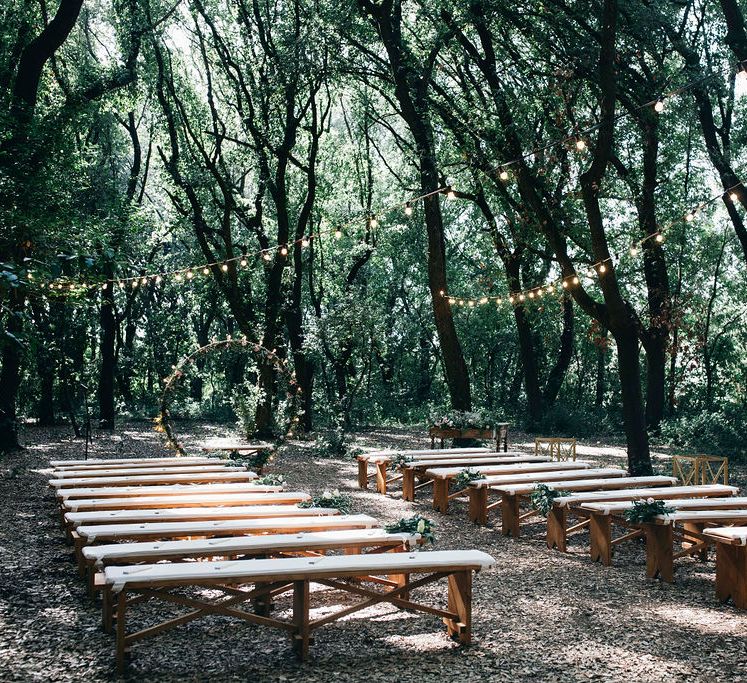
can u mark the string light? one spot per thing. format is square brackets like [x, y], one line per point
[266, 256]
[659, 237]
[373, 222]
[734, 197]
[305, 242]
[283, 250]
[206, 271]
[634, 250]
[224, 267]
[338, 233]
[190, 275]
[243, 262]
[580, 144]
[602, 268]
[659, 105]
[503, 175]
[690, 217]
[408, 209]
[450, 194]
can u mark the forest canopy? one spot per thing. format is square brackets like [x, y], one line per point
[534, 210]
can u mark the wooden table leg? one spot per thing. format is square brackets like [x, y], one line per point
[441, 494]
[301, 619]
[381, 468]
[510, 515]
[362, 474]
[659, 551]
[731, 574]
[600, 532]
[557, 523]
[478, 504]
[460, 602]
[408, 484]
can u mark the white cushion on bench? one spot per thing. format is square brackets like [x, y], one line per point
[736, 535]
[181, 514]
[165, 490]
[136, 471]
[531, 478]
[470, 460]
[127, 461]
[587, 484]
[617, 507]
[186, 501]
[703, 516]
[236, 544]
[517, 468]
[297, 567]
[385, 455]
[635, 494]
[215, 528]
[145, 479]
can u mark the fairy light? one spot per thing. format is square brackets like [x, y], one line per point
[634, 250]
[206, 271]
[659, 105]
[374, 223]
[733, 196]
[408, 209]
[659, 237]
[580, 145]
[224, 267]
[305, 242]
[158, 279]
[575, 280]
[243, 262]
[284, 251]
[503, 175]
[450, 194]
[338, 233]
[189, 275]
[689, 217]
[266, 256]
[602, 268]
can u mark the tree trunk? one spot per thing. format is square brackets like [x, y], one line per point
[46, 370]
[107, 370]
[565, 354]
[10, 378]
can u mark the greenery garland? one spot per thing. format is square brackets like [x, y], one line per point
[543, 497]
[645, 509]
[399, 460]
[463, 479]
[270, 480]
[413, 525]
[163, 420]
[330, 499]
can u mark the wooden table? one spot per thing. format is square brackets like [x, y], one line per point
[499, 432]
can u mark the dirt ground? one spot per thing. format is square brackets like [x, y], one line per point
[537, 615]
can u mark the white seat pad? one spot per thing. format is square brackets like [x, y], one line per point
[617, 507]
[635, 494]
[186, 501]
[517, 468]
[532, 478]
[704, 516]
[234, 544]
[214, 528]
[736, 535]
[469, 461]
[135, 471]
[160, 478]
[588, 484]
[446, 452]
[166, 490]
[181, 514]
[301, 567]
[129, 461]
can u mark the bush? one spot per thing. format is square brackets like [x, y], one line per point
[332, 444]
[719, 432]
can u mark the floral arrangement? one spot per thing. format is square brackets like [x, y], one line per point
[463, 479]
[458, 419]
[543, 496]
[399, 460]
[413, 525]
[645, 509]
[330, 499]
[270, 480]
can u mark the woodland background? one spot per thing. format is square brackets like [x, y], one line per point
[143, 137]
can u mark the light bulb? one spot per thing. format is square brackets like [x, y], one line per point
[243, 262]
[134, 284]
[206, 271]
[471, 303]
[634, 250]
[408, 209]
[338, 234]
[659, 106]
[564, 284]
[521, 297]
[105, 286]
[550, 289]
[575, 279]
[733, 196]
[450, 194]
[484, 300]
[158, 278]
[442, 293]
[511, 299]
[305, 242]
[498, 301]
[266, 256]
[659, 238]
[580, 145]
[690, 217]
[503, 175]
[190, 275]
[224, 267]
[602, 268]
[374, 223]
[283, 250]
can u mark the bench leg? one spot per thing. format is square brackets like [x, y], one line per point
[301, 636]
[121, 635]
[731, 574]
[696, 528]
[478, 504]
[557, 523]
[381, 468]
[460, 602]
[106, 609]
[401, 580]
[659, 552]
[408, 484]
[441, 495]
[600, 532]
[362, 474]
[510, 515]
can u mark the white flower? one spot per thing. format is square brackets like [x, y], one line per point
[421, 526]
[336, 493]
[650, 501]
[326, 495]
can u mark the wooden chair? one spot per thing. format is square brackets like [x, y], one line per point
[555, 448]
[567, 506]
[390, 572]
[379, 458]
[731, 563]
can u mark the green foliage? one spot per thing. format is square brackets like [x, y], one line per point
[543, 496]
[459, 419]
[465, 477]
[645, 510]
[272, 479]
[332, 444]
[398, 460]
[720, 431]
[330, 499]
[416, 524]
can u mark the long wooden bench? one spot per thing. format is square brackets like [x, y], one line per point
[143, 480]
[66, 495]
[129, 462]
[129, 585]
[478, 490]
[97, 557]
[441, 477]
[731, 563]
[381, 463]
[511, 495]
[185, 501]
[149, 471]
[565, 506]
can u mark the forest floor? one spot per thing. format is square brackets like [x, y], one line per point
[537, 615]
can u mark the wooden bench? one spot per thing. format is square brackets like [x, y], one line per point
[441, 477]
[185, 501]
[144, 462]
[97, 557]
[565, 506]
[511, 495]
[731, 563]
[143, 480]
[76, 493]
[149, 471]
[380, 458]
[391, 572]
